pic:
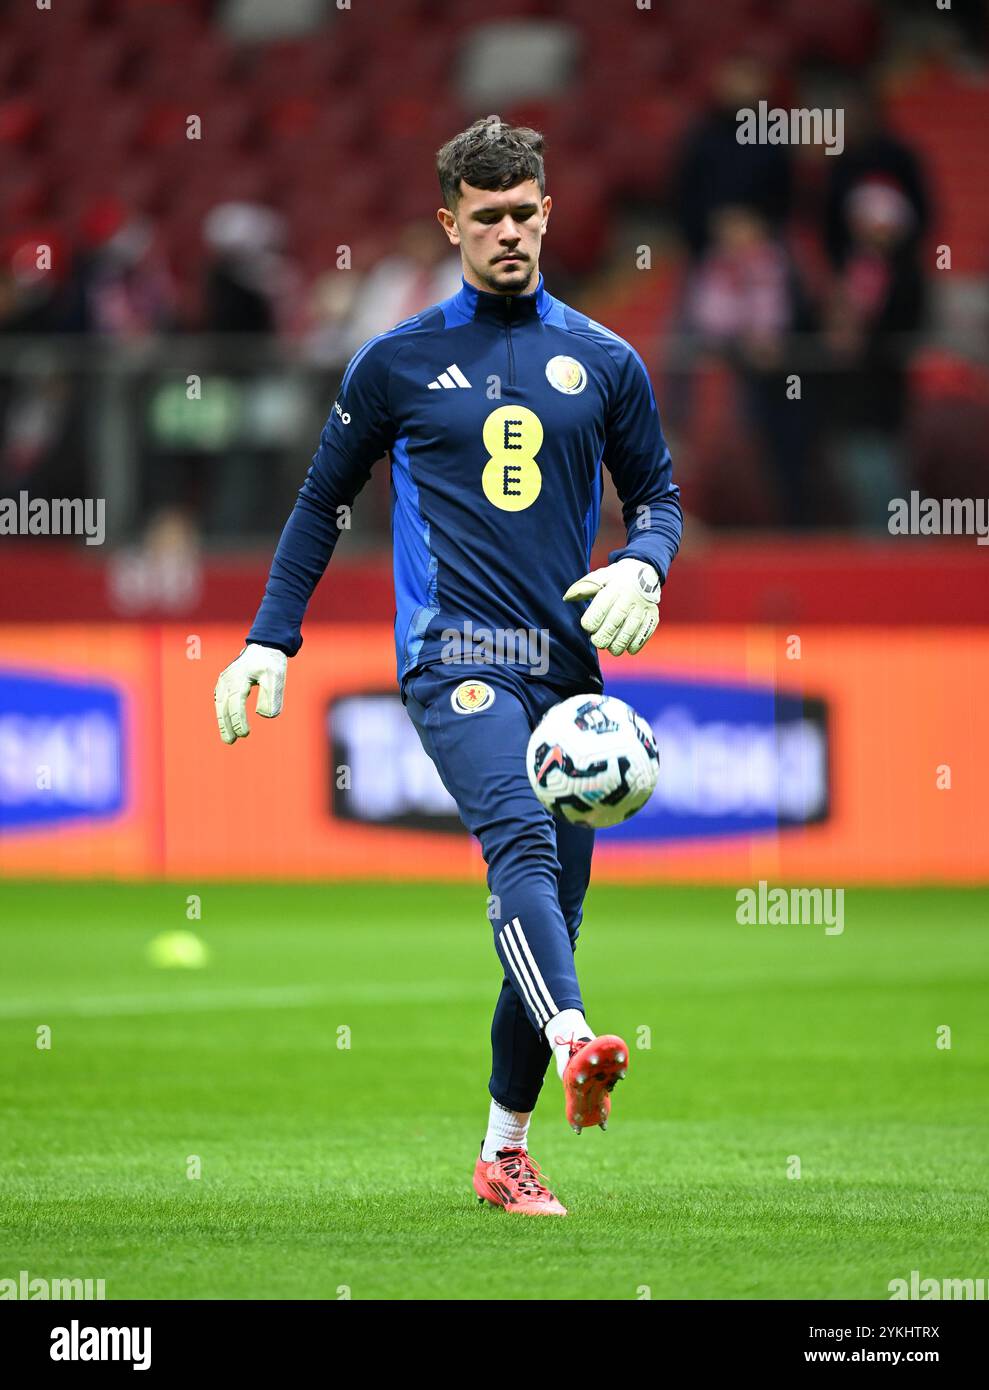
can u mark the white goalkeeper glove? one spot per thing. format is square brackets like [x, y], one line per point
[264, 667]
[624, 613]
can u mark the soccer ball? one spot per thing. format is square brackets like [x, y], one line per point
[593, 760]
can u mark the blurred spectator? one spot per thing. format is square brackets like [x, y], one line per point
[212, 471]
[421, 271]
[163, 573]
[120, 286]
[247, 276]
[878, 300]
[715, 171]
[746, 302]
[325, 316]
[871, 152]
[32, 298]
[37, 450]
[250, 288]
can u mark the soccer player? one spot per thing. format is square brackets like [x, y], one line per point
[498, 408]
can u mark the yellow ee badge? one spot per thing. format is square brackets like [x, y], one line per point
[513, 435]
[471, 696]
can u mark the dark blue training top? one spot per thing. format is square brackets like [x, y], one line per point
[498, 412]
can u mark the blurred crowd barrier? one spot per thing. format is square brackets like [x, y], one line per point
[200, 439]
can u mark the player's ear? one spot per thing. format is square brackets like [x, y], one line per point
[448, 222]
[547, 204]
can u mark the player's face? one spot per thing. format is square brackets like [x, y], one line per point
[499, 233]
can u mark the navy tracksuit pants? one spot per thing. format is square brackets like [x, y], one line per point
[475, 722]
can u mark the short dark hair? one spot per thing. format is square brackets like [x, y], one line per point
[490, 154]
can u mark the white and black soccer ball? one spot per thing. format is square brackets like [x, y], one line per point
[593, 760]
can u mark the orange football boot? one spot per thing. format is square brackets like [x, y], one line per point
[589, 1078]
[513, 1181]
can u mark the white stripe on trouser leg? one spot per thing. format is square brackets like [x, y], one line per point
[522, 977]
[547, 998]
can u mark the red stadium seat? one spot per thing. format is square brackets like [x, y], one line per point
[293, 68]
[21, 120]
[845, 32]
[306, 127]
[165, 126]
[640, 146]
[289, 119]
[945, 117]
[24, 192]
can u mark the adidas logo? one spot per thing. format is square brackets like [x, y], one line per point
[450, 379]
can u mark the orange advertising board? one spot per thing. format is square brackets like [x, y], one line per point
[891, 789]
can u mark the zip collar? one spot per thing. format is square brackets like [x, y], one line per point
[472, 303]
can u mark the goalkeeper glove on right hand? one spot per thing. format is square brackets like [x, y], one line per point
[264, 667]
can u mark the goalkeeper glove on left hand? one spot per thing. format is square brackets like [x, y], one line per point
[624, 613]
[264, 667]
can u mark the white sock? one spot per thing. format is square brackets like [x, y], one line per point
[507, 1129]
[571, 1023]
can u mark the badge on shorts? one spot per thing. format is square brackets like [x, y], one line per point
[471, 696]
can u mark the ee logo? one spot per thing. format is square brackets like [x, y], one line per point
[513, 435]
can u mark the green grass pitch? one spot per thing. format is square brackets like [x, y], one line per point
[327, 1169]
